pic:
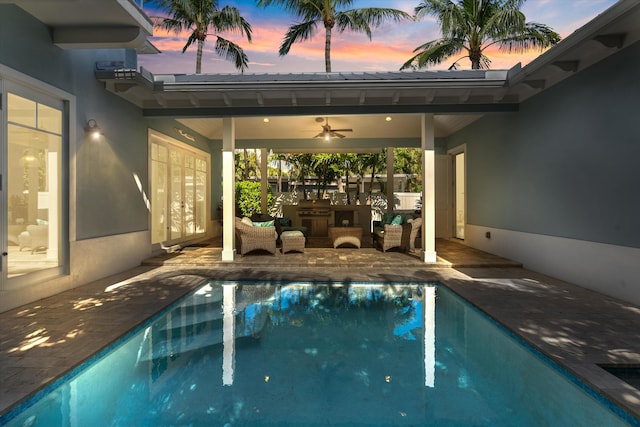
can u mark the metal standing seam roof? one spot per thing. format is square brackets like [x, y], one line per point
[331, 77]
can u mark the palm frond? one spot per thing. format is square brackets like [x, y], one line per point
[232, 52]
[298, 32]
[192, 39]
[535, 36]
[229, 19]
[433, 53]
[361, 20]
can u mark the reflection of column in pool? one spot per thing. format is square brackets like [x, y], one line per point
[429, 327]
[228, 336]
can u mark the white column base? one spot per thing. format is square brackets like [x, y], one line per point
[228, 254]
[429, 256]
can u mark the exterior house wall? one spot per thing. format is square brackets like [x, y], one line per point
[105, 181]
[556, 183]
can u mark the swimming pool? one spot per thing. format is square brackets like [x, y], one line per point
[295, 354]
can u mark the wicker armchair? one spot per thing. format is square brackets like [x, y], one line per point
[252, 238]
[399, 236]
[391, 237]
[414, 227]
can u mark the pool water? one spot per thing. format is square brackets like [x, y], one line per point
[234, 354]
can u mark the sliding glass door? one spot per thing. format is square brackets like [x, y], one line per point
[179, 176]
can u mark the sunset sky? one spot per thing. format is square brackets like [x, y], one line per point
[392, 44]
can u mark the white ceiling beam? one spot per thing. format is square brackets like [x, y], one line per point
[363, 97]
[260, 99]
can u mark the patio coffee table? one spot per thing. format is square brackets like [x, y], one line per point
[345, 235]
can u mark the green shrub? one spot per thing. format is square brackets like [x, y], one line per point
[248, 194]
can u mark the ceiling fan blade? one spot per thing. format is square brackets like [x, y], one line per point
[342, 130]
[320, 135]
[334, 133]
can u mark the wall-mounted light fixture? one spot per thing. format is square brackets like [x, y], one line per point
[92, 129]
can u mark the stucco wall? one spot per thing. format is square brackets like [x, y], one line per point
[556, 183]
[565, 165]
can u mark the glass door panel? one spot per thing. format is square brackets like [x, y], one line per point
[159, 182]
[176, 201]
[201, 195]
[189, 181]
[33, 185]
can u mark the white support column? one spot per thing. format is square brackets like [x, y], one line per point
[390, 181]
[428, 189]
[264, 181]
[228, 188]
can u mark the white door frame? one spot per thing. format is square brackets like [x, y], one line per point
[24, 85]
[185, 149]
[460, 149]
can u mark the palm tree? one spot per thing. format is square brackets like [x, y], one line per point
[314, 12]
[303, 164]
[201, 16]
[346, 163]
[374, 162]
[325, 167]
[471, 26]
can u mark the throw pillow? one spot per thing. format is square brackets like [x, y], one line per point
[285, 221]
[387, 218]
[397, 220]
[246, 221]
[264, 224]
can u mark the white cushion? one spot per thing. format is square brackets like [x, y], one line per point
[291, 233]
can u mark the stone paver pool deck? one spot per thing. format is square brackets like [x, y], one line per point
[577, 328]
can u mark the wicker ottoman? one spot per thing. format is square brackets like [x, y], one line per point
[345, 235]
[292, 241]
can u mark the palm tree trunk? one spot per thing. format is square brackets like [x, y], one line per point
[199, 57]
[347, 185]
[327, 50]
[245, 174]
[279, 175]
[474, 55]
[373, 176]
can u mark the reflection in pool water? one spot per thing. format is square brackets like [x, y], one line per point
[234, 354]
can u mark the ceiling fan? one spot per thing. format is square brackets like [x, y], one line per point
[328, 133]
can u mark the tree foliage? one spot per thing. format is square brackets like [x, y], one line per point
[312, 13]
[249, 196]
[202, 18]
[472, 26]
